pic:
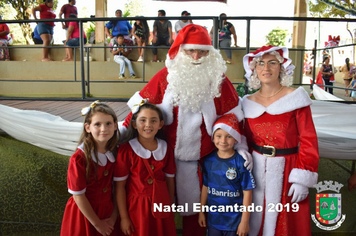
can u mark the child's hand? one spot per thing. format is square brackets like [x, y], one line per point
[112, 219]
[201, 220]
[127, 226]
[243, 229]
[104, 228]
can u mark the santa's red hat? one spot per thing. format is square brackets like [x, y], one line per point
[230, 124]
[283, 51]
[191, 37]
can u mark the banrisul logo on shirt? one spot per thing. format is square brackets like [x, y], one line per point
[231, 173]
[328, 206]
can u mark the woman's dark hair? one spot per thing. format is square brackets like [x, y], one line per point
[347, 61]
[132, 133]
[114, 22]
[146, 30]
[221, 22]
[324, 59]
[72, 15]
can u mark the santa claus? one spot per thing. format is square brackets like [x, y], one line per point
[192, 91]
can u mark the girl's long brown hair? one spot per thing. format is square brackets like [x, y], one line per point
[89, 142]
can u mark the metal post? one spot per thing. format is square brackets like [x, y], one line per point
[81, 37]
[88, 70]
[248, 30]
[75, 63]
[143, 64]
[314, 63]
[215, 32]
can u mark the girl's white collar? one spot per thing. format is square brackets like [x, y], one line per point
[142, 152]
[102, 157]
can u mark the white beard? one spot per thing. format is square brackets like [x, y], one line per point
[195, 82]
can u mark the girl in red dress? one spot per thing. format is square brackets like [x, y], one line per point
[134, 186]
[91, 209]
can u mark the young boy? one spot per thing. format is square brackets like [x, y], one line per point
[226, 183]
[120, 53]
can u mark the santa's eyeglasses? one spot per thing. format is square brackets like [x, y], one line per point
[200, 52]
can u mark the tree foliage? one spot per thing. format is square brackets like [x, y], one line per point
[332, 8]
[23, 12]
[277, 37]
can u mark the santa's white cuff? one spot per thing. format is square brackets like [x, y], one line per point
[303, 177]
[135, 99]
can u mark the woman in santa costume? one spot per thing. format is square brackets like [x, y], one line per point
[192, 91]
[281, 134]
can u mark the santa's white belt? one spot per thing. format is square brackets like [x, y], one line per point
[270, 151]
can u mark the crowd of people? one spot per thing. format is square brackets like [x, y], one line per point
[137, 34]
[129, 178]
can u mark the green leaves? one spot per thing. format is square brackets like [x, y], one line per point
[277, 37]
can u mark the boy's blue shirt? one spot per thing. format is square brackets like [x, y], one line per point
[226, 179]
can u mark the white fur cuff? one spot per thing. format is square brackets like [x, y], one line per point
[303, 177]
[135, 99]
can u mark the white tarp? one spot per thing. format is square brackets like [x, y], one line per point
[41, 129]
[334, 123]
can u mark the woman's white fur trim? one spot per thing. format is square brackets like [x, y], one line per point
[297, 99]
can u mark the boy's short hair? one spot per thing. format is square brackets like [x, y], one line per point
[120, 35]
[162, 11]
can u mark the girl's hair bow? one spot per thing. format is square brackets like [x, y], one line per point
[136, 107]
[85, 110]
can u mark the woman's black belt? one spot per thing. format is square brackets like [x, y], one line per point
[270, 151]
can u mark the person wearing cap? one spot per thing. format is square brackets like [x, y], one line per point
[162, 33]
[192, 91]
[224, 173]
[181, 23]
[281, 134]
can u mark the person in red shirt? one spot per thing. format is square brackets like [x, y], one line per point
[4, 52]
[68, 9]
[45, 29]
[73, 38]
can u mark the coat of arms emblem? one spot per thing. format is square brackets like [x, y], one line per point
[328, 206]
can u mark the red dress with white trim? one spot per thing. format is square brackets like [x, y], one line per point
[98, 190]
[286, 123]
[139, 185]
